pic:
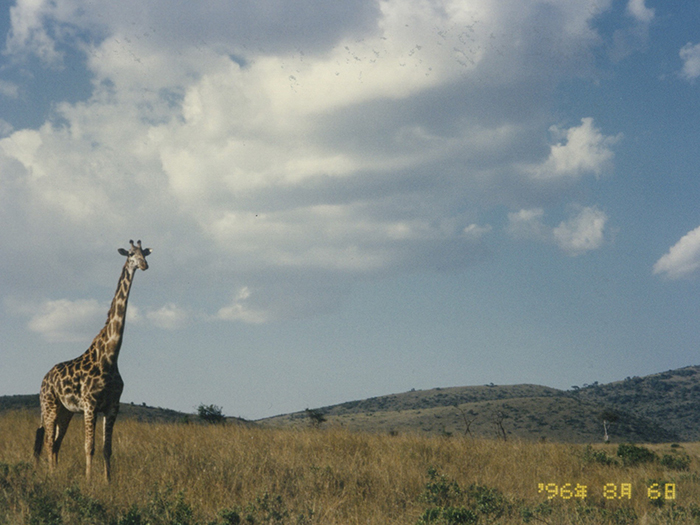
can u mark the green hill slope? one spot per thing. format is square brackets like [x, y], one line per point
[525, 411]
[671, 399]
[128, 410]
[662, 407]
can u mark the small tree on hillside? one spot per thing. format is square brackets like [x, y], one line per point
[608, 416]
[315, 417]
[467, 420]
[210, 413]
[498, 418]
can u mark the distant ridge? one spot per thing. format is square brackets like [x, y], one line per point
[127, 410]
[663, 407]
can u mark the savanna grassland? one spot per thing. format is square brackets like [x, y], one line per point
[169, 473]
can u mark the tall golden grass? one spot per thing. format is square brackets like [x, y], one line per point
[335, 477]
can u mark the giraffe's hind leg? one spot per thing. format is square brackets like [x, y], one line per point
[49, 419]
[55, 432]
[109, 420]
[90, 420]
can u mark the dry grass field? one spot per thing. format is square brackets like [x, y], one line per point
[230, 474]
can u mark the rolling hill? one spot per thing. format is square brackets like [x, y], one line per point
[657, 408]
[662, 407]
[130, 410]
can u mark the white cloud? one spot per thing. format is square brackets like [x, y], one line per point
[690, 55]
[240, 310]
[583, 231]
[683, 259]
[362, 140]
[639, 11]
[476, 231]
[168, 317]
[584, 150]
[63, 320]
[634, 37]
[28, 32]
[133, 314]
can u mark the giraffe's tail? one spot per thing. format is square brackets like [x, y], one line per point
[39, 442]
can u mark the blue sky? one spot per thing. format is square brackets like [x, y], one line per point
[352, 199]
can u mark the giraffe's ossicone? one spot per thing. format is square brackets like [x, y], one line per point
[90, 383]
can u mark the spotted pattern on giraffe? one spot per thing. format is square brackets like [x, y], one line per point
[91, 382]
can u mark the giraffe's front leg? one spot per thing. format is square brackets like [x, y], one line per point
[89, 441]
[110, 418]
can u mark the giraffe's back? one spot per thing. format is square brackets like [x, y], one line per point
[81, 383]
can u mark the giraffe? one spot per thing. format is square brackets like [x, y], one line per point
[90, 383]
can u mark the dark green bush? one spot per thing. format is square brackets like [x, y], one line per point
[448, 516]
[487, 501]
[590, 455]
[632, 455]
[439, 491]
[450, 505]
[676, 461]
[211, 413]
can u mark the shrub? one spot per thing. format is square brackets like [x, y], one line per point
[488, 501]
[539, 513]
[211, 413]
[676, 461]
[447, 502]
[167, 507]
[230, 517]
[43, 510]
[316, 418]
[132, 517]
[632, 455]
[84, 509]
[590, 455]
[439, 491]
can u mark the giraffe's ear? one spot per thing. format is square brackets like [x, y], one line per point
[123, 252]
[146, 252]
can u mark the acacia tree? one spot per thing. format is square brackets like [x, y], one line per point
[498, 418]
[315, 417]
[210, 413]
[467, 420]
[608, 416]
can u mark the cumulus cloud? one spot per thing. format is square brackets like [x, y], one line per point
[476, 231]
[635, 36]
[583, 231]
[639, 11]
[683, 259]
[690, 55]
[354, 140]
[168, 317]
[28, 33]
[63, 320]
[583, 149]
[80, 320]
[40, 26]
[241, 310]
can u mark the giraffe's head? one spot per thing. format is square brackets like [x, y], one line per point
[136, 256]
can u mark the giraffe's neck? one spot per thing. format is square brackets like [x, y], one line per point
[108, 342]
